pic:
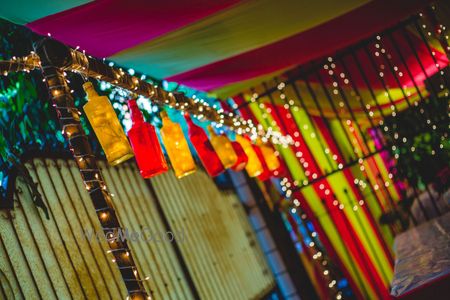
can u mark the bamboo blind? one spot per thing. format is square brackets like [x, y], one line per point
[53, 259]
[220, 247]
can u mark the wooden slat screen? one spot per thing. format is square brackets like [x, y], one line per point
[135, 207]
[220, 247]
[53, 259]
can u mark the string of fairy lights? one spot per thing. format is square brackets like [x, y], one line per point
[286, 184]
[197, 107]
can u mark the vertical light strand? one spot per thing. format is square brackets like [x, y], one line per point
[363, 74]
[439, 28]
[69, 118]
[394, 113]
[369, 116]
[339, 90]
[420, 119]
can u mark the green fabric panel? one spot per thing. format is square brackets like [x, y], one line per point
[26, 11]
[385, 176]
[312, 139]
[245, 26]
[341, 139]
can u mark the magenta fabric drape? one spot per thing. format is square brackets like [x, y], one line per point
[106, 27]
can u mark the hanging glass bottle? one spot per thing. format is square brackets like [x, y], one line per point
[266, 172]
[177, 147]
[272, 161]
[253, 167]
[242, 157]
[106, 126]
[204, 149]
[223, 147]
[145, 143]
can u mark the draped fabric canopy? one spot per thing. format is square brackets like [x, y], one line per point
[216, 46]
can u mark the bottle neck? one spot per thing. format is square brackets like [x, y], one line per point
[211, 131]
[164, 117]
[136, 114]
[188, 119]
[90, 90]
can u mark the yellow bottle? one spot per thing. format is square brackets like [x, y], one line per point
[106, 125]
[253, 167]
[270, 157]
[177, 147]
[223, 148]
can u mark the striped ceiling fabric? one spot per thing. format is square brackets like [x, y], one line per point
[300, 48]
[245, 27]
[221, 47]
[106, 27]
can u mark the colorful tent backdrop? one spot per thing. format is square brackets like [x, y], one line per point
[209, 45]
[349, 230]
[227, 46]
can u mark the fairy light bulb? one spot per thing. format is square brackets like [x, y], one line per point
[242, 158]
[106, 125]
[177, 147]
[149, 155]
[254, 167]
[104, 216]
[204, 149]
[272, 161]
[223, 147]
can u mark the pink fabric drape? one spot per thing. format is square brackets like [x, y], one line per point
[106, 27]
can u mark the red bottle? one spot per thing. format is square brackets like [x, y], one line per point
[266, 172]
[205, 150]
[242, 157]
[144, 141]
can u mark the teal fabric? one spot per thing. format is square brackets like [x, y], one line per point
[26, 11]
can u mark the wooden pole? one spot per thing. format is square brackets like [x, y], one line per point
[53, 56]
